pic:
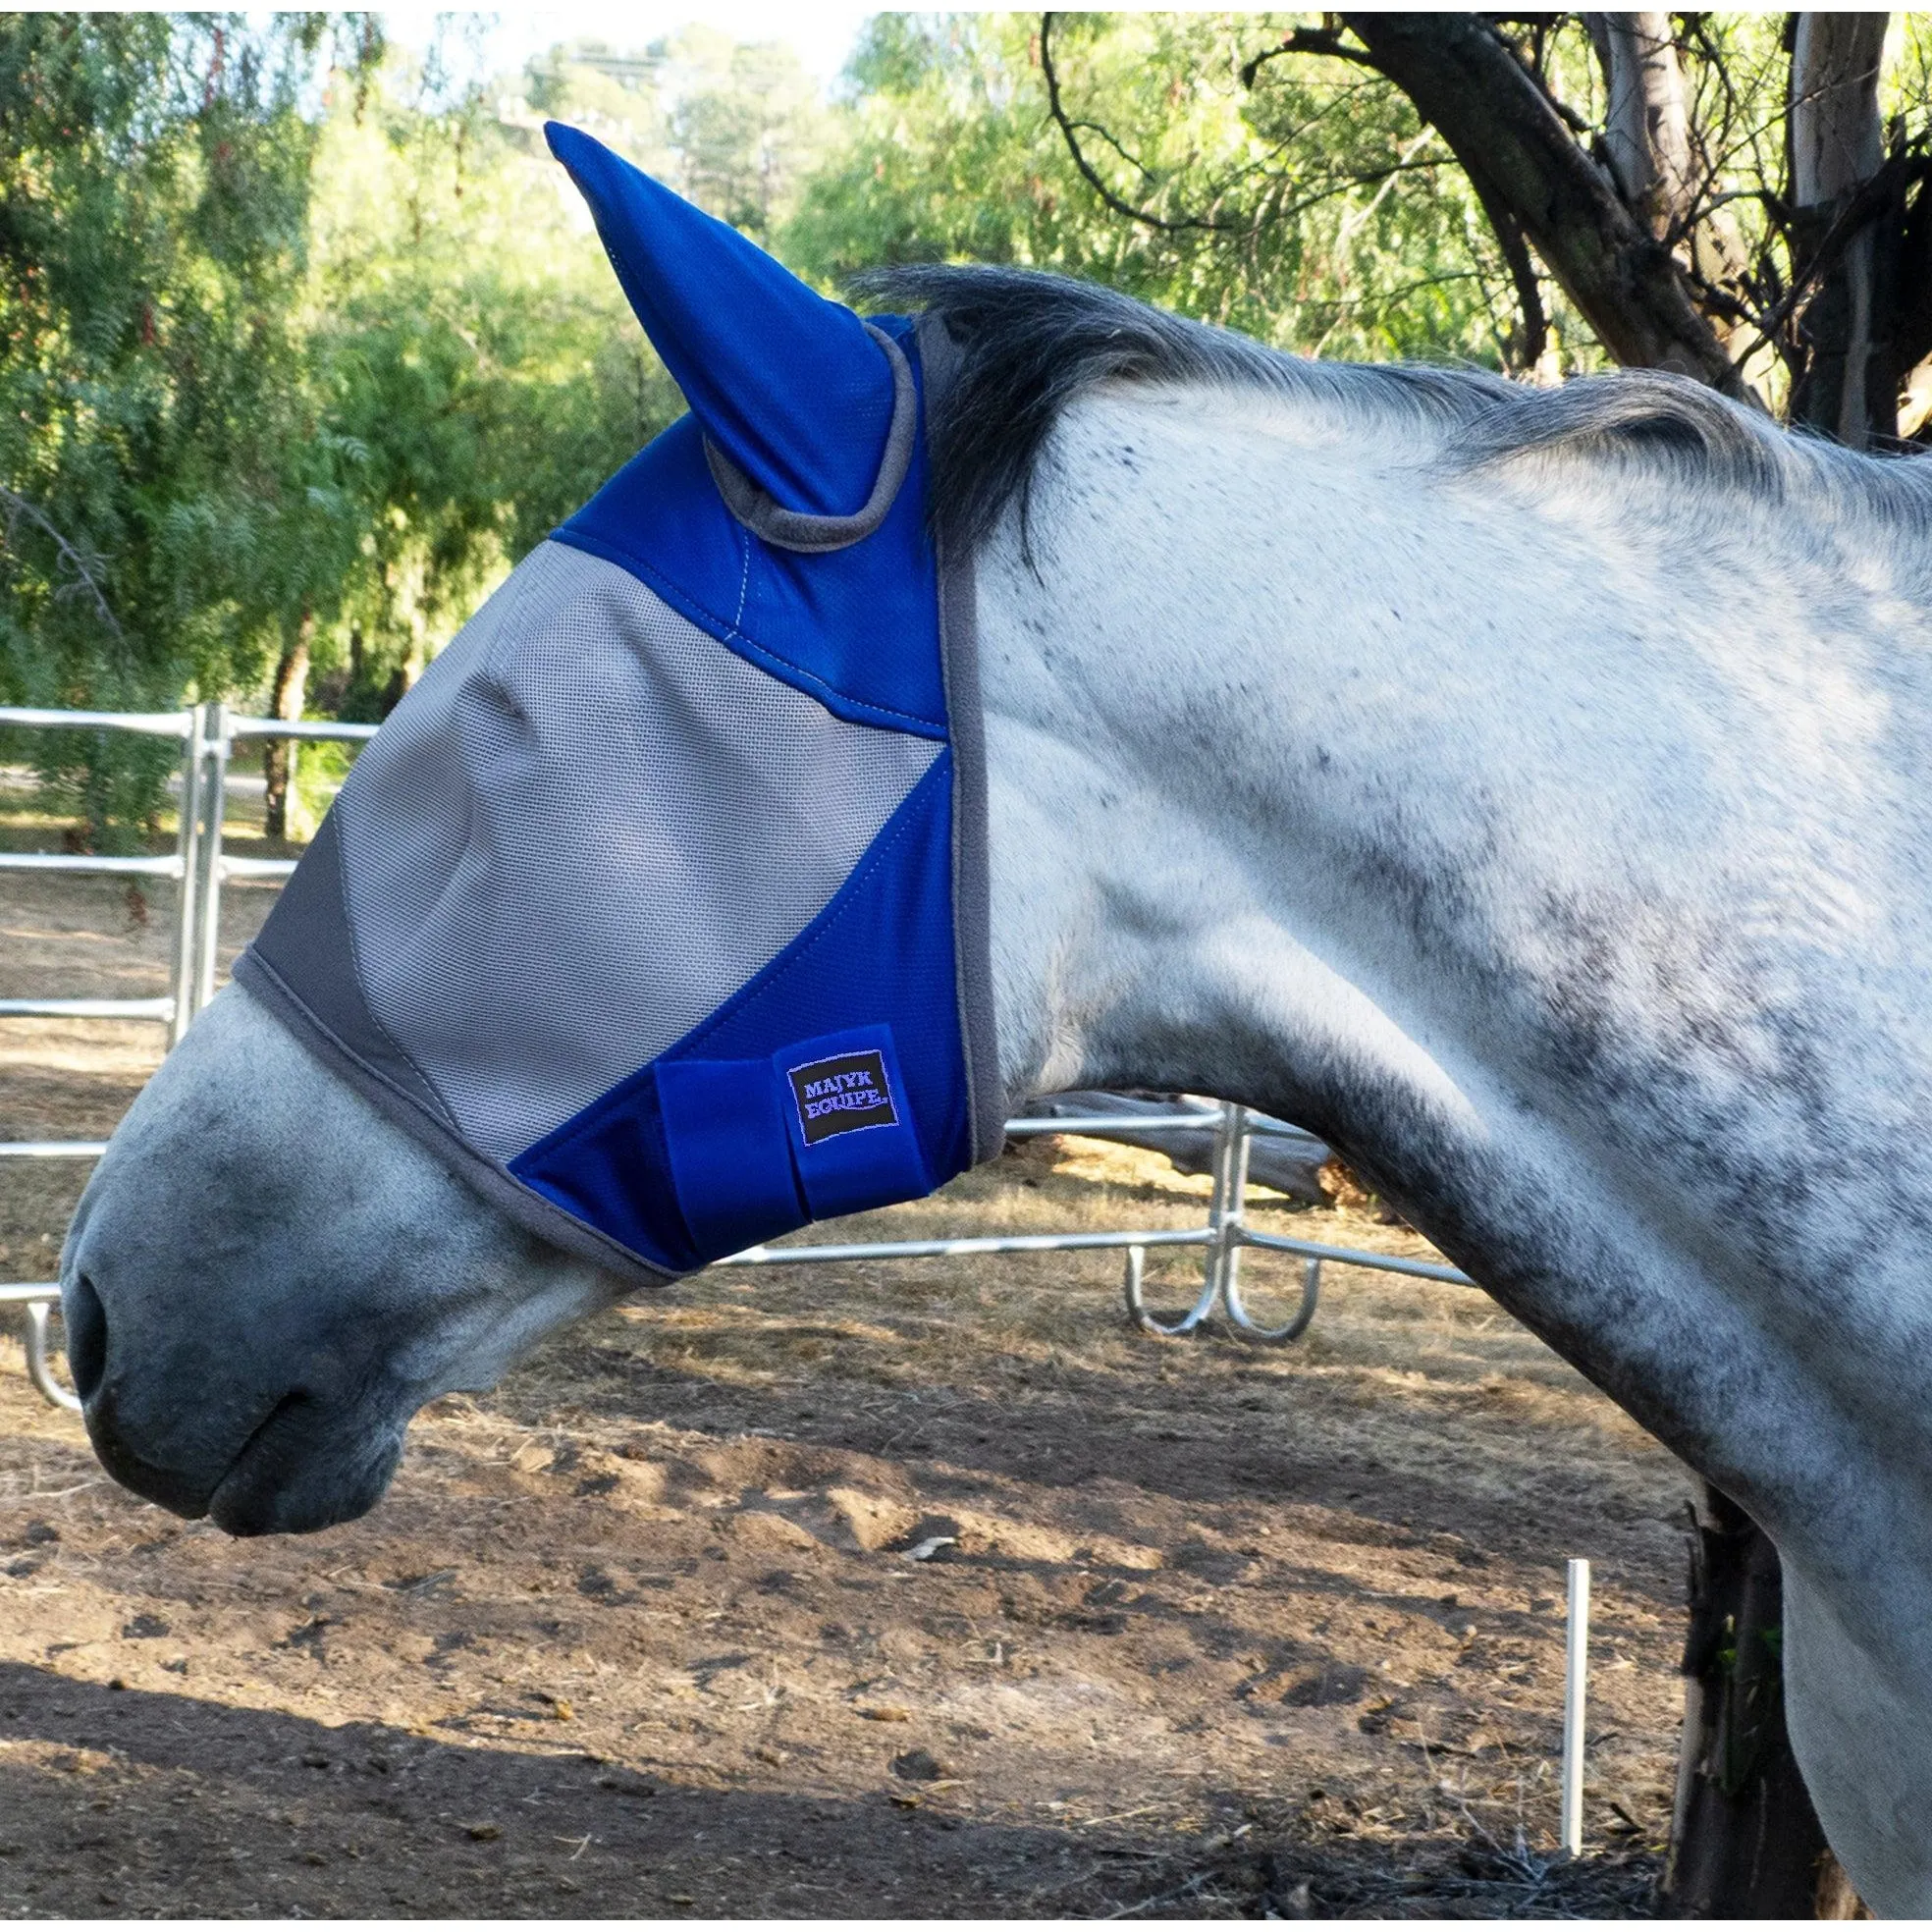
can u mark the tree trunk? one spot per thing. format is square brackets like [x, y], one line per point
[1510, 141]
[1647, 130]
[286, 698]
[1850, 385]
[1745, 1840]
[1647, 137]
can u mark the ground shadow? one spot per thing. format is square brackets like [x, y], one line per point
[135, 1803]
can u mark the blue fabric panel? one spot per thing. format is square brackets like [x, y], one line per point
[874, 970]
[881, 953]
[789, 385]
[730, 1157]
[856, 628]
[854, 1141]
[609, 1168]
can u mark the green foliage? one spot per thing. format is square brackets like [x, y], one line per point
[305, 347]
[1309, 208]
[169, 490]
[469, 341]
[320, 768]
[734, 125]
[302, 345]
[466, 330]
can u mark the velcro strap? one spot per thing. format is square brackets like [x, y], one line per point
[730, 1159]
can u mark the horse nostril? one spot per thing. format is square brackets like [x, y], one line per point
[85, 1321]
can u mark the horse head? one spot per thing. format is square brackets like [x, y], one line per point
[650, 926]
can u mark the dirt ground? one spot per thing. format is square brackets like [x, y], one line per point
[659, 1627]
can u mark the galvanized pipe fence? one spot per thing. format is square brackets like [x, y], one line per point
[199, 868]
[208, 734]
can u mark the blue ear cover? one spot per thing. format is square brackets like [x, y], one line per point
[786, 384]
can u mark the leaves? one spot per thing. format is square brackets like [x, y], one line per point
[1310, 208]
[154, 424]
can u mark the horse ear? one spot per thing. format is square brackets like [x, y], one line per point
[787, 385]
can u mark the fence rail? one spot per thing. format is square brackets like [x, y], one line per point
[39, 1308]
[208, 734]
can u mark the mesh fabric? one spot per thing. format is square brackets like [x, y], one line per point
[590, 825]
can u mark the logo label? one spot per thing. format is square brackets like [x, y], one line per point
[840, 1096]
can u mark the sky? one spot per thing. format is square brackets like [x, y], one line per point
[823, 31]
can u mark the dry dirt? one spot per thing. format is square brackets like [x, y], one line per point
[1221, 1632]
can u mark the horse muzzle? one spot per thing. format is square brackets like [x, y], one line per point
[265, 1280]
[257, 1460]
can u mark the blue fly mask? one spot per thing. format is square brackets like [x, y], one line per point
[658, 908]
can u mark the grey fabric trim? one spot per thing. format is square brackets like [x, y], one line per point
[518, 1203]
[792, 529]
[309, 938]
[588, 828]
[959, 658]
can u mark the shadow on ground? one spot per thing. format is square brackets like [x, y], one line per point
[173, 1804]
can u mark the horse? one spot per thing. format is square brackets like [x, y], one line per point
[1521, 789]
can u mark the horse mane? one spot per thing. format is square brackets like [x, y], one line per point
[1032, 344]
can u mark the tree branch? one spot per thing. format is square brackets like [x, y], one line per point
[1895, 178]
[1647, 126]
[1523, 272]
[1474, 91]
[1309, 40]
[1070, 131]
[1532, 63]
[1848, 389]
[19, 505]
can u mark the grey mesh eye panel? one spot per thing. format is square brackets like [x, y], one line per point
[530, 974]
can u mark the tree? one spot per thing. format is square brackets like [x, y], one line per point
[306, 344]
[465, 330]
[466, 339]
[167, 494]
[1740, 199]
[1318, 211]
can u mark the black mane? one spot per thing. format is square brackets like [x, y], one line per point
[1031, 345]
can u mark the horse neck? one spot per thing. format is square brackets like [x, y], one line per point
[1252, 724]
[1427, 813]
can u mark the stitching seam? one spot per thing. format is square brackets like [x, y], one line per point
[744, 584]
[612, 553]
[368, 1067]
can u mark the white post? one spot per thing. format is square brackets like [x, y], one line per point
[1575, 1678]
[1226, 1207]
[1234, 1209]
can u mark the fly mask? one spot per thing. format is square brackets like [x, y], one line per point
[658, 908]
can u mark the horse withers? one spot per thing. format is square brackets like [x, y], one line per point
[1521, 789]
